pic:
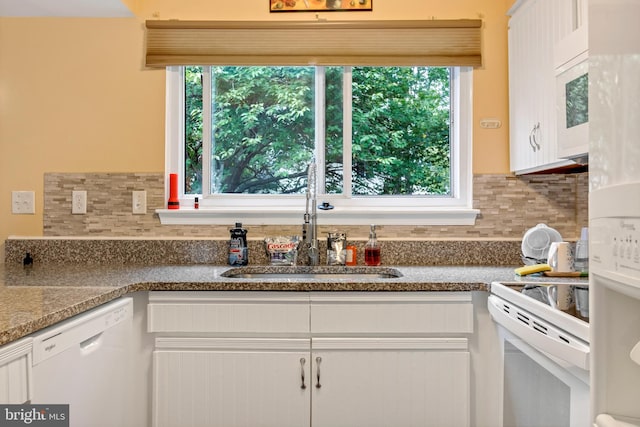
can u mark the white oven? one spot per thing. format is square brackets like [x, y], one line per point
[544, 357]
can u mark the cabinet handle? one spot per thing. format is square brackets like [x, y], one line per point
[302, 362]
[532, 137]
[318, 360]
[536, 129]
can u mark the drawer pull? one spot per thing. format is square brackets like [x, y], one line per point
[318, 360]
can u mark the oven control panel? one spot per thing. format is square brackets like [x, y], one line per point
[614, 245]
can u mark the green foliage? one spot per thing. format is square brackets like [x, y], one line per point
[577, 101]
[263, 121]
[193, 130]
[401, 131]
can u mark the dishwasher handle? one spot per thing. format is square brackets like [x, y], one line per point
[92, 343]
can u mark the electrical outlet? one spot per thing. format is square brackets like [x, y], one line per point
[23, 202]
[139, 202]
[79, 202]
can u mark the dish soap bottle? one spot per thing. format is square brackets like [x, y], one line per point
[372, 248]
[238, 251]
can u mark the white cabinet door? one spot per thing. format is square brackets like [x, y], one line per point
[15, 372]
[382, 382]
[396, 359]
[534, 29]
[522, 29]
[231, 382]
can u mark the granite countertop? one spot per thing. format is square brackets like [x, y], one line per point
[35, 297]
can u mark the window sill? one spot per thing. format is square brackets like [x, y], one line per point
[190, 216]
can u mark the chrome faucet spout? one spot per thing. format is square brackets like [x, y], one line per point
[310, 227]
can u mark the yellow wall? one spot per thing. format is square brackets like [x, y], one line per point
[74, 96]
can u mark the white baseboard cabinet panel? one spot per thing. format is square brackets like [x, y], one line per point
[229, 312]
[400, 313]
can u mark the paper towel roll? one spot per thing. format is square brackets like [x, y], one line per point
[635, 353]
[606, 420]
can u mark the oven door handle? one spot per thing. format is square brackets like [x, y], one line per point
[538, 333]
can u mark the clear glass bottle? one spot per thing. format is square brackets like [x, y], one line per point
[581, 254]
[372, 248]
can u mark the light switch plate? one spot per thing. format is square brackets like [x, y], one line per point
[23, 202]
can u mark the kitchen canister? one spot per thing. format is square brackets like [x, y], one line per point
[560, 257]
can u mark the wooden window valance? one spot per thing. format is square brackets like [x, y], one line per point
[430, 42]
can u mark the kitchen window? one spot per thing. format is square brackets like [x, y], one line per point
[391, 134]
[387, 140]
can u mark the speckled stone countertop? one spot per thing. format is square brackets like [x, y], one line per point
[35, 297]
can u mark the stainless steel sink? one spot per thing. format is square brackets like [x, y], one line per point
[329, 272]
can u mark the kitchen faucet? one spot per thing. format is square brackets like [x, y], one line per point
[310, 229]
[310, 226]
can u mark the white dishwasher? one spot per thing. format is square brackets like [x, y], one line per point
[84, 362]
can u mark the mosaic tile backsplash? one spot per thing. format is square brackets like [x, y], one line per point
[509, 206]
[110, 233]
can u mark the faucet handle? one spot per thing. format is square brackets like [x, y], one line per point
[325, 206]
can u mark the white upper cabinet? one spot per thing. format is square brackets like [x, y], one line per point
[535, 28]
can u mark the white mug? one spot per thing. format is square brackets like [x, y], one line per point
[560, 296]
[560, 257]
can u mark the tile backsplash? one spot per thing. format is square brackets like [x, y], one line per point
[170, 251]
[509, 205]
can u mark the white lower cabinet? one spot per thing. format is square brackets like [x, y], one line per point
[390, 382]
[231, 383]
[354, 359]
[15, 372]
[393, 359]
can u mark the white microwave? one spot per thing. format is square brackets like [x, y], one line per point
[572, 96]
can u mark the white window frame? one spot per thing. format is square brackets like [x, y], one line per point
[287, 209]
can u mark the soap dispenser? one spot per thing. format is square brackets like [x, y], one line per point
[372, 248]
